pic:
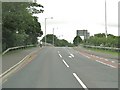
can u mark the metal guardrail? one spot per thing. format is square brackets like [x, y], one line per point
[14, 48]
[101, 47]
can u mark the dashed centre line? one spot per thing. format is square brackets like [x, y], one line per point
[65, 63]
[60, 56]
[81, 83]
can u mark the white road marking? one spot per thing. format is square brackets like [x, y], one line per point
[65, 63]
[106, 64]
[106, 60]
[112, 66]
[81, 83]
[87, 56]
[113, 61]
[60, 55]
[14, 66]
[72, 55]
[58, 52]
[97, 57]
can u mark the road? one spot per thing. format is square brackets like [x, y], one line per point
[63, 67]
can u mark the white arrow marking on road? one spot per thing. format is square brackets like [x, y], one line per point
[72, 55]
[65, 63]
[81, 83]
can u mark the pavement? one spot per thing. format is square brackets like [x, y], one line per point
[13, 57]
[64, 67]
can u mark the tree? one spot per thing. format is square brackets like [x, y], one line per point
[57, 42]
[19, 25]
[99, 35]
[100, 39]
[77, 40]
[49, 38]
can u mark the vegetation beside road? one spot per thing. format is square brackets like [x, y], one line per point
[101, 40]
[114, 53]
[57, 42]
[19, 25]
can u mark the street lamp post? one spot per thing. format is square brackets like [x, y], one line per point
[45, 28]
[53, 36]
[105, 19]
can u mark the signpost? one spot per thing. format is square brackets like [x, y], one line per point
[84, 33]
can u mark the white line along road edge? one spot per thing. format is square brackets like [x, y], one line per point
[16, 64]
[106, 64]
[13, 66]
[81, 83]
[65, 63]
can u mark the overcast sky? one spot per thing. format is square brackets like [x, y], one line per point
[71, 15]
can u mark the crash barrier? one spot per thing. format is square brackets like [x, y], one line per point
[101, 47]
[15, 48]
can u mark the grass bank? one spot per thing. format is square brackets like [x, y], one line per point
[115, 53]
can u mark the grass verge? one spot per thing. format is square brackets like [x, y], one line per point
[105, 51]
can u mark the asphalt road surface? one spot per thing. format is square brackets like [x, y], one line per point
[13, 57]
[64, 67]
